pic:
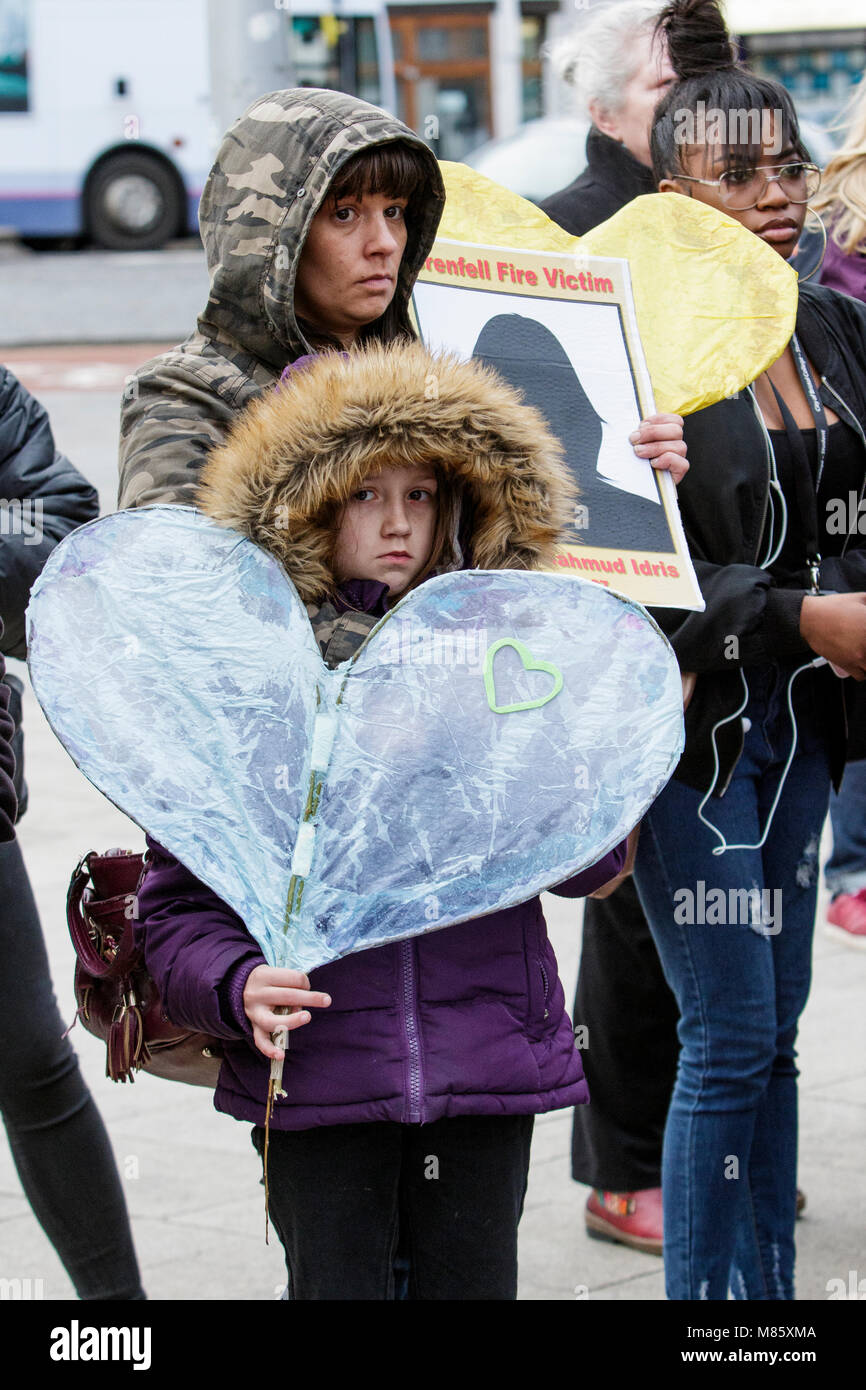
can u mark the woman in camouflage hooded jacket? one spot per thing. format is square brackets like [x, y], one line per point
[280, 164]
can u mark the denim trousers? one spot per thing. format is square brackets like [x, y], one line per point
[845, 871]
[734, 934]
[58, 1141]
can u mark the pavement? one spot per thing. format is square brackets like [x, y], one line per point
[190, 1175]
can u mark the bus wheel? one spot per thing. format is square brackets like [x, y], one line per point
[133, 203]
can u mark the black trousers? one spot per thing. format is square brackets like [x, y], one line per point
[451, 1193]
[58, 1141]
[630, 1050]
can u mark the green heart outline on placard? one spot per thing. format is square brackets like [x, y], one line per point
[529, 664]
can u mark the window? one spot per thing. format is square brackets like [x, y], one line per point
[442, 67]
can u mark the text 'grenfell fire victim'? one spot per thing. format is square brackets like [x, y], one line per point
[517, 275]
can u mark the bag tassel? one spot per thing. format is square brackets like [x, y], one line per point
[127, 1050]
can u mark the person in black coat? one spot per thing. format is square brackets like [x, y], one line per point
[619, 70]
[56, 1134]
[611, 179]
[42, 498]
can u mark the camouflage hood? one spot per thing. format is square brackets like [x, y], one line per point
[270, 178]
[310, 444]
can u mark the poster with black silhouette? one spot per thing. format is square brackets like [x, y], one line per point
[562, 328]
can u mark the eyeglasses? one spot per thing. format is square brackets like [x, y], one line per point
[741, 189]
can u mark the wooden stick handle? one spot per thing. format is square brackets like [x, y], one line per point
[280, 1037]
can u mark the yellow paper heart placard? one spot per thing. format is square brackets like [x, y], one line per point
[715, 305]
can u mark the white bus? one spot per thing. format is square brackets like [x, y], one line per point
[110, 110]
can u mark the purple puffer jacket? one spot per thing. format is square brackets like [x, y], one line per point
[469, 1020]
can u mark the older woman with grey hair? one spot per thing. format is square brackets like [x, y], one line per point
[619, 71]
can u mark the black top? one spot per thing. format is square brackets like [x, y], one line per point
[842, 475]
[611, 179]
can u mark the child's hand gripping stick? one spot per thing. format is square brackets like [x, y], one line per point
[280, 1038]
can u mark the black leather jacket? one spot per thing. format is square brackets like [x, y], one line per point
[42, 498]
[49, 498]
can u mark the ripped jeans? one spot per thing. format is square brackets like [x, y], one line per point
[734, 934]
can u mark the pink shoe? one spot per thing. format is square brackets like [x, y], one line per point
[846, 919]
[629, 1218]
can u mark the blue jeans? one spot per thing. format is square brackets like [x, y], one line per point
[739, 963]
[845, 871]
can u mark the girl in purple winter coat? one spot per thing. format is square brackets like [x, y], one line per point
[415, 1068]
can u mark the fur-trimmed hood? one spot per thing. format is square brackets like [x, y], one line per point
[342, 417]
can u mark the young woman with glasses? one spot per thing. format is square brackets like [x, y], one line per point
[731, 902]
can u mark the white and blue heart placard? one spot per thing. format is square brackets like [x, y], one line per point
[498, 732]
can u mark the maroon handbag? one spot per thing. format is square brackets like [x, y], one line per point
[117, 998]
